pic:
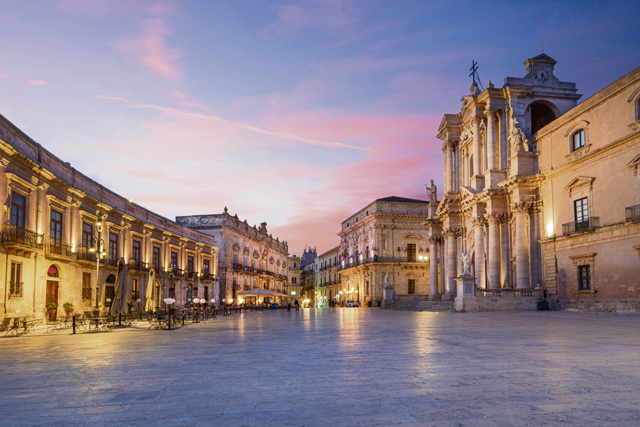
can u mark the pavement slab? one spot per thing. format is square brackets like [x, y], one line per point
[332, 367]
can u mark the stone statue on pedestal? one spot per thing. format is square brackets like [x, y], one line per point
[466, 262]
[517, 138]
[386, 279]
[433, 192]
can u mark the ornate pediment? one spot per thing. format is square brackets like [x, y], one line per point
[635, 164]
[579, 182]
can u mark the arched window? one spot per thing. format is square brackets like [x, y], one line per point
[577, 140]
[111, 279]
[53, 271]
[541, 115]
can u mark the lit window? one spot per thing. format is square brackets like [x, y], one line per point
[577, 140]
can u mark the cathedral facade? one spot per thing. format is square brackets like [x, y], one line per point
[542, 192]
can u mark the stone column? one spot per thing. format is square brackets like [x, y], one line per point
[494, 250]
[441, 264]
[491, 139]
[503, 139]
[433, 268]
[451, 263]
[505, 273]
[477, 155]
[479, 252]
[448, 166]
[522, 250]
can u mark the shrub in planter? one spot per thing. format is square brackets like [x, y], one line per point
[68, 307]
[51, 306]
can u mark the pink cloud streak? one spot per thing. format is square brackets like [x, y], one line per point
[151, 50]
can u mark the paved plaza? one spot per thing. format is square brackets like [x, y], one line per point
[333, 367]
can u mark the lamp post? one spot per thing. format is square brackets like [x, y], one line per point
[98, 248]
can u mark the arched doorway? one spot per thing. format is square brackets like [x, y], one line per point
[53, 274]
[109, 290]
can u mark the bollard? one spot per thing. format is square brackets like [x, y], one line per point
[196, 317]
[120, 319]
[74, 323]
[169, 323]
[183, 320]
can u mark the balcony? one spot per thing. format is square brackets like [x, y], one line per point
[177, 272]
[85, 256]
[632, 213]
[56, 250]
[588, 224]
[135, 265]
[111, 262]
[207, 277]
[20, 240]
[190, 274]
[237, 266]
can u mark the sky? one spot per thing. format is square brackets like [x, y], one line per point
[294, 112]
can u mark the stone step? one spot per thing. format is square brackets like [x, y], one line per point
[412, 305]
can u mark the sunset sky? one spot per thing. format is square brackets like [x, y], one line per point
[297, 113]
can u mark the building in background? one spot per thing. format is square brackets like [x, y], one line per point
[386, 236]
[327, 277]
[293, 289]
[542, 193]
[54, 216]
[249, 256]
[308, 277]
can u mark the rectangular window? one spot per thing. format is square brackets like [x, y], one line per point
[174, 260]
[18, 205]
[206, 293]
[55, 228]
[86, 286]
[87, 235]
[15, 286]
[578, 139]
[412, 286]
[136, 251]
[581, 210]
[584, 278]
[135, 294]
[205, 266]
[113, 246]
[411, 252]
[190, 263]
[293, 280]
[155, 258]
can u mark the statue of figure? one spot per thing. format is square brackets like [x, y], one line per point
[517, 138]
[386, 279]
[433, 192]
[466, 261]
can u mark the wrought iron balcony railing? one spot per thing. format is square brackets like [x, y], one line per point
[138, 265]
[14, 235]
[56, 247]
[587, 225]
[84, 254]
[632, 212]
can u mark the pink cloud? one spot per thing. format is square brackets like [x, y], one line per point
[105, 8]
[322, 14]
[4, 76]
[151, 51]
[36, 82]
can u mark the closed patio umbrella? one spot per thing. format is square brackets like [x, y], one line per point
[118, 305]
[149, 305]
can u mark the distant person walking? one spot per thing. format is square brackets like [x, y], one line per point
[297, 305]
[289, 306]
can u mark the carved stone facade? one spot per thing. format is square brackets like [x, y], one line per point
[327, 289]
[386, 236]
[534, 182]
[54, 215]
[250, 257]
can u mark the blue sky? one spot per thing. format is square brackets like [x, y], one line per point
[297, 113]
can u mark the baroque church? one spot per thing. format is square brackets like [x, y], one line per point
[542, 193]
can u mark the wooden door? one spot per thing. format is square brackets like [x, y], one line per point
[52, 295]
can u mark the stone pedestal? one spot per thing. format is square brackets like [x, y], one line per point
[493, 177]
[522, 163]
[388, 295]
[466, 300]
[435, 297]
[477, 182]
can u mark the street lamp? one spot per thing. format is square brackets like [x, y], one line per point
[98, 247]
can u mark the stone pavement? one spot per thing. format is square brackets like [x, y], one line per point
[333, 367]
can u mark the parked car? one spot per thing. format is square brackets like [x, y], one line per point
[353, 303]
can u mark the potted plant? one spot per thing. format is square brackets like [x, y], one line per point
[68, 307]
[51, 307]
[129, 307]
